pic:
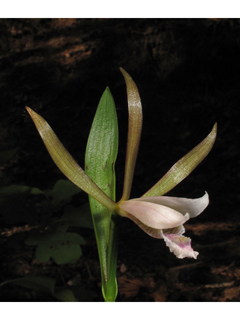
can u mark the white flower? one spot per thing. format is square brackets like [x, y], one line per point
[163, 218]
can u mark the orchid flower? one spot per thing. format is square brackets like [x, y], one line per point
[159, 216]
[163, 218]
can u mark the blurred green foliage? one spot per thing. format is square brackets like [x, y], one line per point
[44, 284]
[49, 234]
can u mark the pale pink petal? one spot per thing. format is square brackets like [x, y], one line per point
[154, 233]
[153, 215]
[193, 206]
[180, 246]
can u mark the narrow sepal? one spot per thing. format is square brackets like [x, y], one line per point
[181, 169]
[134, 132]
[65, 162]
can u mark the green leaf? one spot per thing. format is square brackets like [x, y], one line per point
[65, 295]
[45, 284]
[62, 192]
[181, 169]
[17, 189]
[34, 282]
[100, 157]
[61, 246]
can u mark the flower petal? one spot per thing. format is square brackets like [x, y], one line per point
[153, 215]
[152, 232]
[180, 246]
[156, 233]
[193, 206]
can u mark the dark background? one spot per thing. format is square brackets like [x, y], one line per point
[187, 72]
